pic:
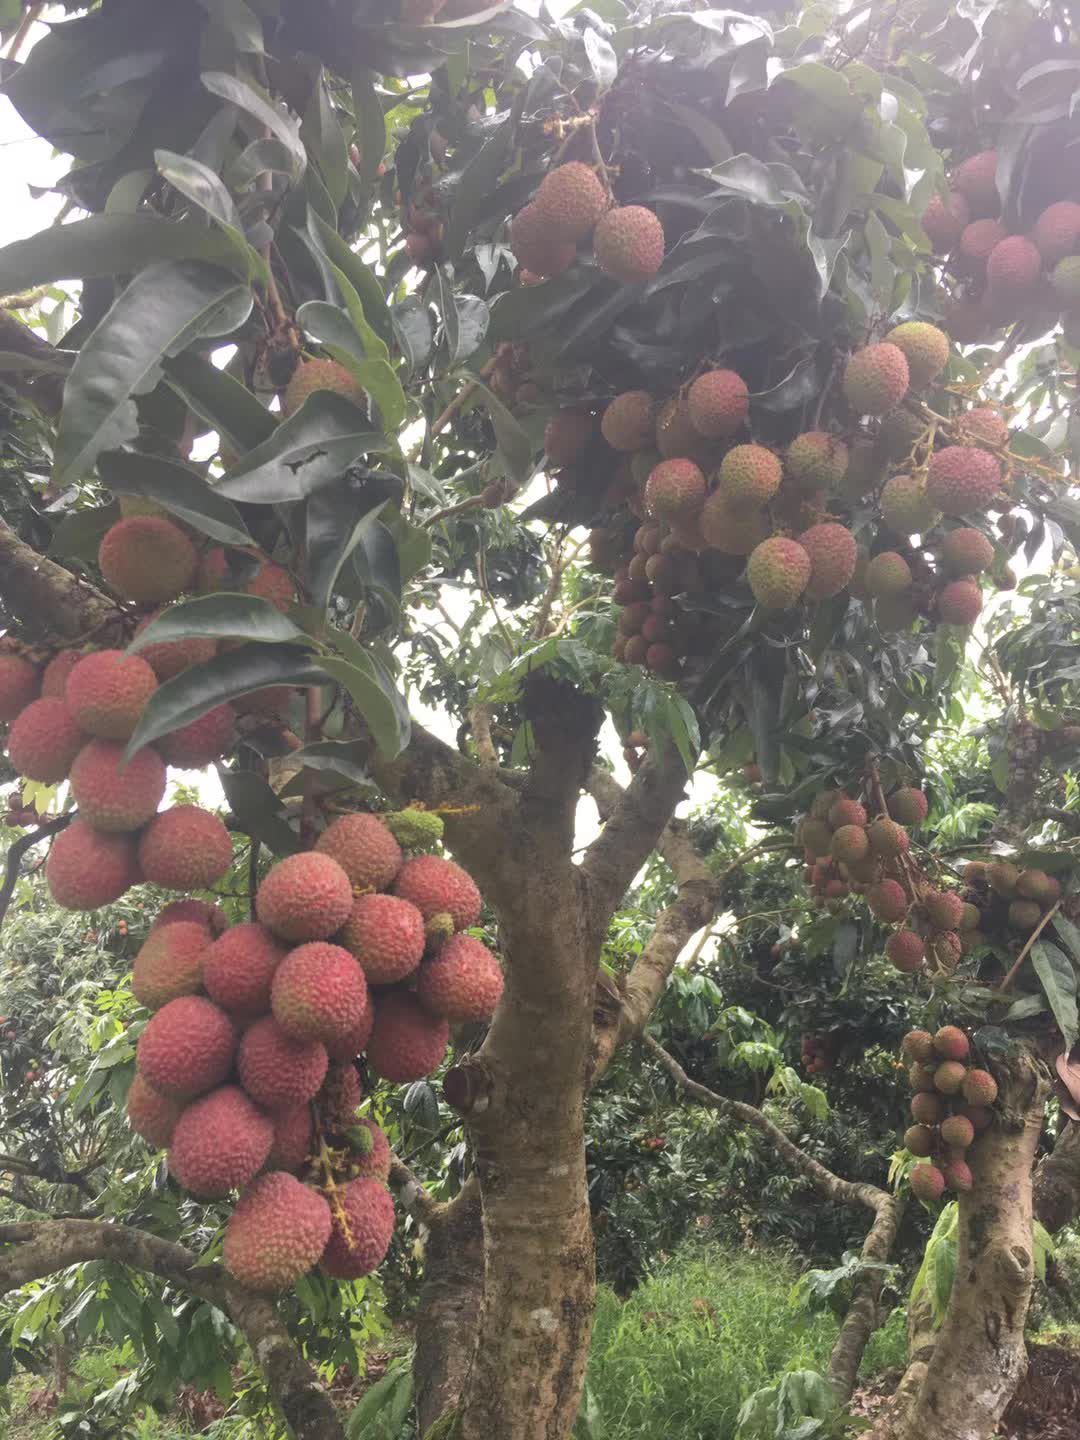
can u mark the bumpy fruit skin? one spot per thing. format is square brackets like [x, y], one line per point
[962, 480]
[887, 901]
[54, 677]
[925, 347]
[778, 572]
[44, 740]
[19, 684]
[386, 934]
[908, 805]
[674, 487]
[1056, 232]
[305, 897]
[944, 221]
[816, 460]
[905, 508]
[203, 912]
[294, 1139]
[239, 967]
[185, 848]
[887, 838]
[200, 743]
[958, 1131]
[571, 199]
[415, 830]
[919, 1140]
[537, 247]
[850, 844]
[1024, 914]
[278, 1070]
[312, 375]
[629, 422]
[147, 559]
[360, 1245]
[172, 657]
[944, 948]
[906, 951]
[272, 582]
[1003, 877]
[629, 244]
[112, 794]
[407, 1043]
[1038, 885]
[749, 476]
[718, 403]
[921, 1078]
[151, 1115]
[462, 982]
[983, 426]
[107, 691]
[186, 1048]
[927, 1183]
[170, 963]
[977, 244]
[951, 1043]
[814, 836]
[364, 848]
[87, 868]
[566, 436]
[927, 1108]
[319, 993]
[876, 379]
[966, 551]
[220, 1143]
[958, 1176]
[345, 1050]
[439, 887]
[888, 574]
[980, 1088]
[277, 1232]
[976, 180]
[919, 1045]
[970, 917]
[1013, 268]
[960, 602]
[943, 909]
[845, 811]
[727, 530]
[375, 1164]
[833, 552]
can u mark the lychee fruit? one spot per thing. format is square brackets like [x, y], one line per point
[277, 1232]
[279, 1070]
[537, 247]
[749, 476]
[407, 1042]
[203, 912]
[1056, 232]
[919, 1140]
[778, 572]
[570, 200]
[186, 1048]
[88, 868]
[114, 794]
[963, 480]
[850, 844]
[44, 740]
[19, 684]
[927, 1183]
[629, 422]
[365, 848]
[906, 951]
[1012, 269]
[1065, 283]
[845, 811]
[319, 993]
[957, 1131]
[958, 1177]
[876, 379]
[943, 949]
[107, 691]
[629, 244]
[1024, 914]
[927, 1108]
[833, 552]
[386, 934]
[171, 657]
[921, 1079]
[887, 838]
[170, 963]
[54, 676]
[977, 244]
[415, 829]
[201, 741]
[567, 435]
[943, 909]
[185, 848]
[816, 460]
[727, 530]
[305, 897]
[313, 375]
[960, 602]
[949, 1076]
[147, 559]
[944, 221]
[982, 426]
[919, 1045]
[980, 1088]
[361, 1232]
[219, 1143]
[1003, 877]
[439, 887]
[925, 347]
[1038, 885]
[375, 1162]
[905, 507]
[888, 574]
[338, 1097]
[151, 1115]
[976, 180]
[951, 1043]
[272, 582]
[294, 1139]
[966, 551]
[462, 982]
[718, 403]
[887, 901]
[674, 487]
[239, 967]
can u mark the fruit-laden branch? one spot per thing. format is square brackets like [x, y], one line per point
[34, 1249]
[44, 597]
[1057, 1181]
[861, 1320]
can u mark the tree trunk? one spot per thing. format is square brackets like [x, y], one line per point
[449, 1306]
[861, 1319]
[1057, 1181]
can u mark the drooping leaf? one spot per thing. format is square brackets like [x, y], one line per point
[201, 185]
[334, 330]
[221, 401]
[246, 97]
[514, 445]
[477, 180]
[361, 277]
[176, 488]
[338, 757]
[376, 697]
[337, 519]
[258, 810]
[224, 615]
[1057, 976]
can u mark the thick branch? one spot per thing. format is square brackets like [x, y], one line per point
[1057, 1181]
[45, 597]
[412, 1196]
[36, 1249]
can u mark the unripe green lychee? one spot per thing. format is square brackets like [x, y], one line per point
[1056, 232]
[749, 476]
[1003, 877]
[816, 460]
[629, 422]
[675, 487]
[1038, 885]
[147, 559]
[908, 805]
[629, 244]
[1065, 282]
[888, 574]
[570, 200]
[960, 602]
[833, 552]
[976, 180]
[727, 530]
[1024, 914]
[312, 375]
[415, 830]
[778, 572]
[876, 379]
[927, 1183]
[966, 551]
[970, 917]
[925, 347]
[944, 221]
[905, 508]
[963, 480]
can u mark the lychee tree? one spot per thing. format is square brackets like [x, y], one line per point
[770, 317]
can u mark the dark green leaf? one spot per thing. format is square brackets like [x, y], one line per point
[221, 401]
[1057, 976]
[258, 810]
[333, 329]
[713, 140]
[307, 451]
[478, 179]
[161, 304]
[322, 134]
[176, 488]
[514, 445]
[374, 315]
[225, 615]
[338, 517]
[601, 57]
[79, 534]
[414, 329]
[339, 757]
[370, 125]
[376, 698]
[238, 92]
[377, 564]
[243, 25]
[199, 184]
[770, 185]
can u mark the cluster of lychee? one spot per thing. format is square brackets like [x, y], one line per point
[246, 1070]
[950, 1107]
[1000, 275]
[423, 226]
[817, 1053]
[848, 853]
[572, 203]
[1001, 895]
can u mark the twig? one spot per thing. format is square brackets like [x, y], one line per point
[25, 26]
[18, 849]
[1011, 976]
[460, 399]
[470, 504]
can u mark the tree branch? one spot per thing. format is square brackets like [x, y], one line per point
[412, 1196]
[44, 597]
[18, 849]
[1057, 1181]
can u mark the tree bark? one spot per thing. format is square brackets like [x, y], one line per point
[1057, 1181]
[449, 1307]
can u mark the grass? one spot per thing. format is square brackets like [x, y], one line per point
[677, 1359]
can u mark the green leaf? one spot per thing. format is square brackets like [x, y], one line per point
[339, 757]
[120, 358]
[243, 25]
[111, 245]
[203, 187]
[258, 810]
[713, 140]
[322, 135]
[191, 694]
[221, 401]
[79, 534]
[238, 92]
[338, 517]
[178, 489]
[370, 123]
[762, 184]
[377, 700]
[362, 279]
[306, 452]
[333, 329]
[514, 445]
[1057, 976]
[1069, 933]
[225, 615]
[387, 1400]
[478, 180]
[414, 330]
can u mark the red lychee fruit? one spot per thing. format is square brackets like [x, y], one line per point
[629, 244]
[279, 1070]
[202, 741]
[203, 912]
[319, 993]
[629, 422]
[439, 887]
[219, 1143]
[19, 684]
[960, 602]
[170, 963]
[1012, 269]
[462, 982]
[876, 379]
[151, 1115]
[1057, 231]
[276, 1233]
[386, 934]
[171, 657]
[114, 794]
[148, 559]
[951, 1043]
[833, 552]
[313, 375]
[361, 1232]
[54, 677]
[107, 691]
[906, 950]
[944, 221]
[185, 848]
[186, 1048]
[570, 200]
[778, 572]
[963, 480]
[980, 1088]
[976, 180]
[927, 1183]
[887, 901]
[718, 403]
[88, 868]
[407, 1043]
[305, 897]
[537, 247]
[239, 967]
[44, 740]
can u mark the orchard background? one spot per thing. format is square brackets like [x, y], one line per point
[539, 579]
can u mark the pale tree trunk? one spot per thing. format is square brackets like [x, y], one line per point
[449, 1307]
